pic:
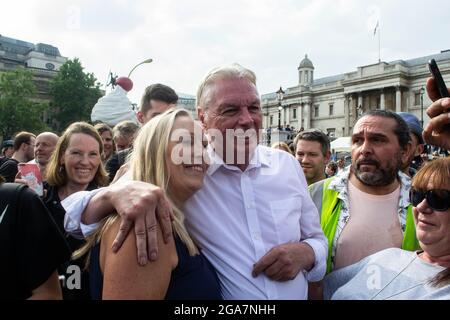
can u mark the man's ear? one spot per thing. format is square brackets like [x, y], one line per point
[201, 116]
[419, 150]
[140, 117]
[327, 157]
[24, 146]
[406, 151]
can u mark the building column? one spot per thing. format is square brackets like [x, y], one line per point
[359, 106]
[398, 99]
[359, 110]
[354, 106]
[382, 102]
[288, 114]
[346, 114]
[307, 113]
[299, 116]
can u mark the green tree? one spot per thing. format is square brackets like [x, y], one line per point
[18, 111]
[74, 94]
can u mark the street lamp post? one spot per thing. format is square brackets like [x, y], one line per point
[422, 90]
[280, 94]
[145, 61]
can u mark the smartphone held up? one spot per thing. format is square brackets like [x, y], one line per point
[440, 84]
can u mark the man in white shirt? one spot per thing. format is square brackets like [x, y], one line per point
[253, 219]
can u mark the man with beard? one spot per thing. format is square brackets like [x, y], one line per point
[366, 208]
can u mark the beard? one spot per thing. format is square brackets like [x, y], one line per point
[381, 176]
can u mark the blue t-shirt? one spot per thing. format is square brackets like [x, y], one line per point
[194, 278]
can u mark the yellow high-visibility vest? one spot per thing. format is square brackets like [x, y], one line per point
[329, 217]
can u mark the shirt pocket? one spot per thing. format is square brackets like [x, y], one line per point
[286, 214]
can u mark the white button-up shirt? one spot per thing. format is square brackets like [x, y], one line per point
[238, 216]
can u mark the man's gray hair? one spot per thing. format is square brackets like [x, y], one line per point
[227, 71]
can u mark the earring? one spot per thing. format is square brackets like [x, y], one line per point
[61, 168]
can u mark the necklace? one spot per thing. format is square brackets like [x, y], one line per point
[396, 276]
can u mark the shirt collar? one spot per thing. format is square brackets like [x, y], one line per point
[405, 186]
[340, 183]
[261, 157]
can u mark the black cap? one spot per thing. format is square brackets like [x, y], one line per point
[8, 143]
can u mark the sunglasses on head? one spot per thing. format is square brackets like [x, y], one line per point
[438, 200]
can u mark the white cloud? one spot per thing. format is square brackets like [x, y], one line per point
[187, 38]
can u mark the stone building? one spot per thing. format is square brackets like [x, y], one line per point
[334, 103]
[43, 60]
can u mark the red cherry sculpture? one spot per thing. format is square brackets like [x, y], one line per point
[125, 83]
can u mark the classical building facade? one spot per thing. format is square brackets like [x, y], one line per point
[187, 101]
[43, 60]
[334, 103]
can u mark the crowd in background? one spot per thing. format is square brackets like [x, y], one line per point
[310, 229]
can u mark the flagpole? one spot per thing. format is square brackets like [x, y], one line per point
[379, 43]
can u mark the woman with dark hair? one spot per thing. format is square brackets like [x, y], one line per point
[331, 169]
[75, 165]
[398, 274]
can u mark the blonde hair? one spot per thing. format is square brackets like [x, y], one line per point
[148, 164]
[282, 146]
[228, 71]
[54, 174]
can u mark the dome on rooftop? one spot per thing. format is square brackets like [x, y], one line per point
[306, 63]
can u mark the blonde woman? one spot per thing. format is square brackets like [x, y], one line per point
[176, 165]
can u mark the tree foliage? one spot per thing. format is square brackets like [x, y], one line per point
[18, 111]
[74, 94]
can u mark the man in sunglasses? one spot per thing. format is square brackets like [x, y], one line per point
[366, 208]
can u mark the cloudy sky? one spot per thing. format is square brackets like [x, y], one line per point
[187, 38]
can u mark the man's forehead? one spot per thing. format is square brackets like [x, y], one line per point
[308, 144]
[46, 137]
[158, 104]
[374, 124]
[230, 88]
[237, 100]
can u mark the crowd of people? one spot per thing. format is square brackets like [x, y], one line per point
[184, 209]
